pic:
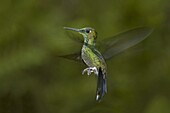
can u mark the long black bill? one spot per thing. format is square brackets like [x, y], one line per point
[73, 29]
[101, 85]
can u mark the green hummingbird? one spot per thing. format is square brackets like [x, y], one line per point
[95, 60]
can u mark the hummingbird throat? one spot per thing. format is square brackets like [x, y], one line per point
[89, 41]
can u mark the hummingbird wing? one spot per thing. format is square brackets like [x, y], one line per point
[75, 37]
[114, 45]
[74, 56]
[77, 55]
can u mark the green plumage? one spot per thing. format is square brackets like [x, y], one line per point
[110, 47]
[93, 59]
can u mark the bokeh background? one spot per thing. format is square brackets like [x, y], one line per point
[34, 80]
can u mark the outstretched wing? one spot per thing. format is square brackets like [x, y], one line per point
[75, 37]
[122, 41]
[74, 56]
[114, 45]
[77, 55]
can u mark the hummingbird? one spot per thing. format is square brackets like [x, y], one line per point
[95, 59]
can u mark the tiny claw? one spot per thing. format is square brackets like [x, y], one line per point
[88, 73]
[90, 70]
[83, 72]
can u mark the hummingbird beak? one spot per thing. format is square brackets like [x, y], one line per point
[73, 29]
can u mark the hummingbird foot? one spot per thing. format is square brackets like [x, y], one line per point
[90, 70]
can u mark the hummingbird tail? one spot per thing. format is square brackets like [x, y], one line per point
[101, 85]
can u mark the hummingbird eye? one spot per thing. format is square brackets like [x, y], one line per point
[88, 31]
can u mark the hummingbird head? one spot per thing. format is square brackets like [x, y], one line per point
[89, 34]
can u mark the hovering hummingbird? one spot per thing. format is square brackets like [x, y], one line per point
[95, 60]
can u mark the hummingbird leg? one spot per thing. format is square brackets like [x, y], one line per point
[90, 70]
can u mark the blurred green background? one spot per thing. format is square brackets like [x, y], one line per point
[34, 80]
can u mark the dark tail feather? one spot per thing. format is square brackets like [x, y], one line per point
[101, 85]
